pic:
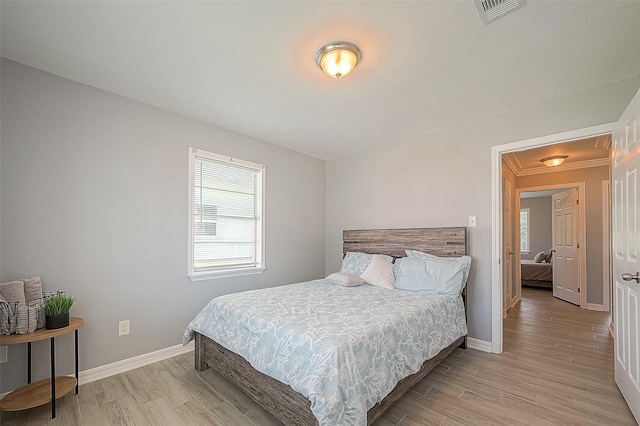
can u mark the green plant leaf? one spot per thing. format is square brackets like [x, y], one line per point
[57, 305]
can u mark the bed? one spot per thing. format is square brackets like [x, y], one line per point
[534, 274]
[291, 406]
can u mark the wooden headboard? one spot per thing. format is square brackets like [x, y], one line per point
[446, 242]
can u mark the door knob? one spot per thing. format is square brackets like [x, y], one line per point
[628, 276]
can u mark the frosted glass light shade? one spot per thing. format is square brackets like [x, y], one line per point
[338, 59]
[556, 160]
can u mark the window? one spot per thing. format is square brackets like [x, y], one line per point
[225, 216]
[525, 217]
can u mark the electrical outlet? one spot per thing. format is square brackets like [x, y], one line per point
[123, 328]
[4, 354]
[472, 221]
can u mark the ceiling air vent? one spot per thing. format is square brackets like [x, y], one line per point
[490, 10]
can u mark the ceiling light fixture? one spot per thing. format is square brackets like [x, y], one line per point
[338, 58]
[555, 160]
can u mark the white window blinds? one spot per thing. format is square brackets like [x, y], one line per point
[226, 216]
[524, 230]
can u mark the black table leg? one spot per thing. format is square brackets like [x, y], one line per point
[53, 379]
[28, 362]
[77, 383]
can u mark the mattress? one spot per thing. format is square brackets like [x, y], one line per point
[344, 348]
[531, 271]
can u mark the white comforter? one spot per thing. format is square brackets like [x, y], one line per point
[344, 348]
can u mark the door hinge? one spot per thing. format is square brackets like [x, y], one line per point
[578, 245]
[577, 201]
[578, 289]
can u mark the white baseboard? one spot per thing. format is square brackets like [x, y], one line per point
[595, 307]
[514, 301]
[118, 367]
[478, 344]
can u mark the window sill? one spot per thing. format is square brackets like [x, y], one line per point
[212, 275]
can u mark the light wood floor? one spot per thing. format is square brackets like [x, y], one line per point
[557, 368]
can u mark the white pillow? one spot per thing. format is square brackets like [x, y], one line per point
[344, 279]
[539, 257]
[378, 273]
[355, 263]
[450, 273]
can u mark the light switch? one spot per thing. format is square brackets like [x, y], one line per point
[472, 221]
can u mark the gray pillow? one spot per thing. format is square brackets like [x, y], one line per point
[12, 291]
[539, 257]
[32, 289]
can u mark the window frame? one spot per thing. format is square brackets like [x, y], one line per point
[260, 267]
[528, 239]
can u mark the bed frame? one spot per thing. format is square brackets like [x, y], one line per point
[538, 284]
[291, 407]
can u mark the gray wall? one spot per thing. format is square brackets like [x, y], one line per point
[440, 178]
[593, 177]
[539, 225]
[94, 200]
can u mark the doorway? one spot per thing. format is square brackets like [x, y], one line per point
[580, 273]
[497, 215]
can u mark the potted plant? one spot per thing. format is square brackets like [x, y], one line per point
[56, 310]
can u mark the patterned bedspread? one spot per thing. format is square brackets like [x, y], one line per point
[344, 348]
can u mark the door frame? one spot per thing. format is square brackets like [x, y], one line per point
[607, 271]
[582, 211]
[496, 213]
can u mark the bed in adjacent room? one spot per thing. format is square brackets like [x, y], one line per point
[337, 350]
[537, 272]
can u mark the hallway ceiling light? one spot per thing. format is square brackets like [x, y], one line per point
[555, 160]
[338, 58]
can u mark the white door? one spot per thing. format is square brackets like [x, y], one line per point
[566, 256]
[508, 249]
[626, 225]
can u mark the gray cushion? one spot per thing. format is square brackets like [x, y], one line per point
[12, 291]
[32, 289]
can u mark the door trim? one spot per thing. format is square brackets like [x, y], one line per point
[582, 211]
[496, 213]
[607, 273]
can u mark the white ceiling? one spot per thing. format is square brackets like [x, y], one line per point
[249, 66]
[589, 152]
[540, 194]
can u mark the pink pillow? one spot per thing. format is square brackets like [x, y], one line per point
[378, 273]
[345, 279]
